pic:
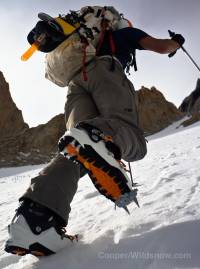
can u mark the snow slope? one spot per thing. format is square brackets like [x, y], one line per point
[163, 233]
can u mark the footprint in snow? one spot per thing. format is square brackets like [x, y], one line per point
[167, 195]
[174, 175]
[165, 167]
[139, 229]
[174, 164]
[171, 155]
[148, 203]
[167, 179]
[91, 195]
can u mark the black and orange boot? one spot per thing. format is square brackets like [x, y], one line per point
[88, 146]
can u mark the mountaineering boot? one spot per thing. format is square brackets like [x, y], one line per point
[36, 230]
[88, 146]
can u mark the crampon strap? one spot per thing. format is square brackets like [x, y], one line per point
[72, 238]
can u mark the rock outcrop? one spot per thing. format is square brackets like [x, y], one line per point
[193, 119]
[19, 144]
[155, 112]
[191, 104]
[11, 119]
[34, 146]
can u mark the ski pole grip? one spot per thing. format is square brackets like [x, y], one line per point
[171, 34]
[172, 54]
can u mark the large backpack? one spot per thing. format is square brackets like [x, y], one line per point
[83, 41]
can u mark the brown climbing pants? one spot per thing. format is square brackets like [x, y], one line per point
[106, 100]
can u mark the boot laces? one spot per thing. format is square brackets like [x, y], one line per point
[123, 165]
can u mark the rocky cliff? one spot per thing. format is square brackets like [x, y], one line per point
[11, 119]
[155, 112]
[191, 104]
[21, 145]
[34, 146]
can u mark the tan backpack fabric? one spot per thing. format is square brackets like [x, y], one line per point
[67, 59]
[73, 54]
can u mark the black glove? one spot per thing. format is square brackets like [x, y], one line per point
[52, 39]
[179, 39]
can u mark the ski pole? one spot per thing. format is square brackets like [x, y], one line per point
[187, 53]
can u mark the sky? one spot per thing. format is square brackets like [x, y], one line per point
[40, 100]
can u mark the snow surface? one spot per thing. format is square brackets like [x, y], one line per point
[163, 233]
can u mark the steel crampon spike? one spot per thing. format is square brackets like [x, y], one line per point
[126, 209]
